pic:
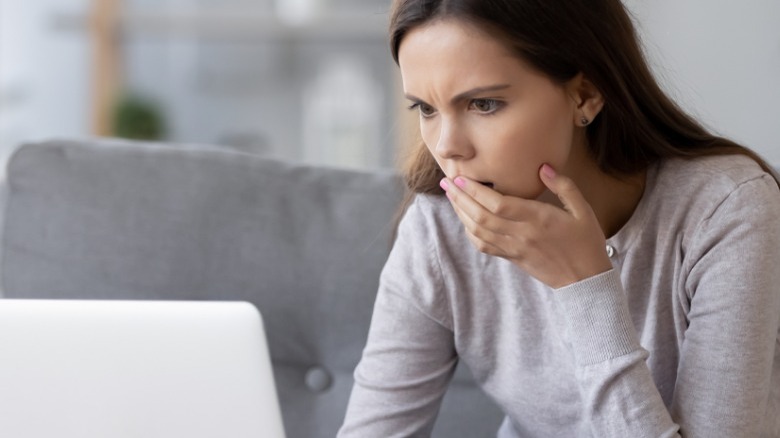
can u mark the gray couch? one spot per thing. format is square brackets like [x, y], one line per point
[107, 219]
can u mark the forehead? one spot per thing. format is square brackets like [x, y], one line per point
[451, 36]
[446, 51]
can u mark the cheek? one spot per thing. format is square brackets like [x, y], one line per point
[559, 143]
[545, 135]
[523, 144]
[533, 138]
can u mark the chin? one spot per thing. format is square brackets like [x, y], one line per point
[526, 193]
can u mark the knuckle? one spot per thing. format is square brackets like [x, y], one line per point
[530, 241]
[479, 244]
[545, 220]
[483, 247]
[479, 233]
[481, 218]
[515, 255]
[475, 241]
[501, 208]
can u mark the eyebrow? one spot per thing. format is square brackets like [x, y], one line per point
[466, 94]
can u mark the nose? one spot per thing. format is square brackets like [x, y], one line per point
[453, 143]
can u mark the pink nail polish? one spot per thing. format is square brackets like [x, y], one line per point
[548, 171]
[460, 182]
[443, 184]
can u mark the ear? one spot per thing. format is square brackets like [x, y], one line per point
[586, 97]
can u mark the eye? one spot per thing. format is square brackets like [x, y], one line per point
[485, 106]
[425, 110]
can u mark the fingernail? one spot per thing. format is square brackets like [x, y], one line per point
[548, 171]
[443, 184]
[460, 182]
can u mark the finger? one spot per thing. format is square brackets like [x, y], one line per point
[477, 219]
[479, 201]
[472, 213]
[475, 229]
[482, 244]
[565, 189]
[483, 195]
[485, 247]
[487, 242]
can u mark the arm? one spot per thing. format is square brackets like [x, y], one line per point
[618, 394]
[723, 382]
[726, 359]
[409, 356]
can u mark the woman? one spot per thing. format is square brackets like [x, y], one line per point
[603, 264]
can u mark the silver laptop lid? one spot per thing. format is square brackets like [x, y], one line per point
[135, 369]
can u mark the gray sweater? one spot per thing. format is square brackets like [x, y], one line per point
[681, 338]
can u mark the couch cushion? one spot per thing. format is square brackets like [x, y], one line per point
[105, 219]
[116, 220]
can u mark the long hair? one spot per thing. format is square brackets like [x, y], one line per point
[638, 125]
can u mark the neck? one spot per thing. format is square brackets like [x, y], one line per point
[612, 199]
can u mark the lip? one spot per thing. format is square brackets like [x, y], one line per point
[485, 183]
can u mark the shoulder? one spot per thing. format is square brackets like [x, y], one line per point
[424, 226]
[414, 270]
[722, 173]
[696, 202]
[704, 184]
[721, 201]
[430, 224]
[429, 205]
[428, 216]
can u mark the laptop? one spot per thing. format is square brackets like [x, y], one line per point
[124, 369]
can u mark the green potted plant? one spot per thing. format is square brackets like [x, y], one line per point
[138, 118]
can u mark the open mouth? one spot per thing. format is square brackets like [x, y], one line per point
[486, 184]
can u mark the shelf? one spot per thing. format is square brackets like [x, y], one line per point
[355, 26]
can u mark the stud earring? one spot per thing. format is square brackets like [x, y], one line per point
[584, 121]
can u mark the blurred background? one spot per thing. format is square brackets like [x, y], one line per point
[302, 80]
[312, 80]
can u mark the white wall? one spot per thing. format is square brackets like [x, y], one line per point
[721, 60]
[44, 72]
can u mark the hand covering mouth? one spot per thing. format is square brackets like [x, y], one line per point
[486, 184]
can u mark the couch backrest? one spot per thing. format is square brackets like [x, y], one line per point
[98, 219]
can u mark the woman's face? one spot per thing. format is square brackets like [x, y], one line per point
[484, 113]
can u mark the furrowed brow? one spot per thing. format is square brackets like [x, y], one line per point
[464, 95]
[479, 90]
[415, 99]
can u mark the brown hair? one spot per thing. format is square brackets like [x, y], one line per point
[638, 125]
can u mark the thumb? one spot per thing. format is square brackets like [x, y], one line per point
[565, 189]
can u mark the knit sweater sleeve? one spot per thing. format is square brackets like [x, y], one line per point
[726, 359]
[409, 356]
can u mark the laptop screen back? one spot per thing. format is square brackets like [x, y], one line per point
[135, 369]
